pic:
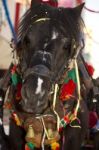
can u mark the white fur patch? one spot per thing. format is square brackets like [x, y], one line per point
[54, 35]
[39, 86]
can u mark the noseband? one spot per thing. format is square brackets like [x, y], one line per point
[41, 70]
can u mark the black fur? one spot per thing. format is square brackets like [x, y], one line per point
[44, 47]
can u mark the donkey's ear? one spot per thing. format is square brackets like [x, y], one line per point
[35, 2]
[77, 10]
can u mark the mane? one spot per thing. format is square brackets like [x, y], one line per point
[73, 28]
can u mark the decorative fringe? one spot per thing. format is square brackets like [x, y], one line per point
[64, 121]
[69, 86]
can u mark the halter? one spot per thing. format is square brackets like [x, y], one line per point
[41, 19]
[66, 66]
[38, 70]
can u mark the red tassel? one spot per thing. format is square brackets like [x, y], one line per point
[27, 148]
[13, 70]
[67, 90]
[90, 69]
[18, 93]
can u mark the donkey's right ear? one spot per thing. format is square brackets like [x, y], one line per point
[35, 2]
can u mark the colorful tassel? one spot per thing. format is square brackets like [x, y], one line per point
[90, 69]
[16, 119]
[18, 93]
[29, 146]
[67, 90]
[64, 121]
[55, 146]
[71, 75]
[69, 86]
[15, 77]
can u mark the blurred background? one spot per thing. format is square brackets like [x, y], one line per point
[12, 10]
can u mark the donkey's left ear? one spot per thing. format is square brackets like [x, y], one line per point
[77, 10]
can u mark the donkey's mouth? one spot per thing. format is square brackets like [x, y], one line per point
[33, 108]
[37, 127]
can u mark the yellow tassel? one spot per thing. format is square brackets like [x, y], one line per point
[17, 120]
[50, 133]
[55, 146]
[30, 132]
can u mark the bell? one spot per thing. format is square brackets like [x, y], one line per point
[30, 132]
[50, 133]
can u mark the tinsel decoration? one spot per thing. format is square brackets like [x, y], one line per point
[69, 86]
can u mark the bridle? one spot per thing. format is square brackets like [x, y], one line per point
[37, 70]
[75, 49]
[66, 65]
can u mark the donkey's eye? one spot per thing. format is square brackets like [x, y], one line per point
[66, 45]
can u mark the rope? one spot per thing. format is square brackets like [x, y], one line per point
[45, 130]
[43, 139]
[74, 117]
[54, 103]
[78, 87]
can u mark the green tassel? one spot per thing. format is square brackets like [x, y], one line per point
[71, 75]
[31, 145]
[14, 79]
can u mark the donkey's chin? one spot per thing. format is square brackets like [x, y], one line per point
[35, 111]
